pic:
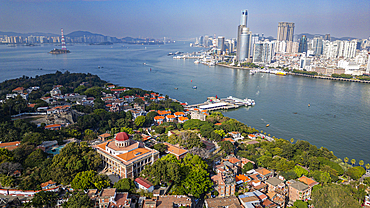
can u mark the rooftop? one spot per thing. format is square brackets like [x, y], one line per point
[309, 181]
[274, 181]
[223, 202]
[175, 150]
[142, 181]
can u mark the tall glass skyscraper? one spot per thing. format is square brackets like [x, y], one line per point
[243, 38]
[302, 45]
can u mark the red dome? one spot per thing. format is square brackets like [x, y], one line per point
[122, 136]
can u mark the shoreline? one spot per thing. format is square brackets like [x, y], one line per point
[304, 75]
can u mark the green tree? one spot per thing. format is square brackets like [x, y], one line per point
[78, 200]
[160, 148]
[300, 204]
[325, 177]
[139, 121]
[353, 161]
[44, 199]
[127, 130]
[247, 167]
[7, 181]
[335, 196]
[5, 155]
[356, 172]
[346, 159]
[72, 159]
[90, 134]
[89, 180]
[36, 158]
[300, 171]
[226, 146]
[220, 132]
[291, 140]
[361, 162]
[367, 166]
[125, 185]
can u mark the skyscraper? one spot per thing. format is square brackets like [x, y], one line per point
[244, 18]
[327, 37]
[263, 52]
[221, 43]
[317, 45]
[285, 31]
[302, 45]
[243, 38]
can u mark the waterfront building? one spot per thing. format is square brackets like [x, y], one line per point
[125, 157]
[330, 49]
[244, 43]
[298, 191]
[368, 64]
[285, 31]
[221, 43]
[317, 46]
[254, 39]
[263, 52]
[302, 45]
[243, 38]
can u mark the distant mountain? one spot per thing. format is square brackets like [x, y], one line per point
[27, 34]
[82, 33]
[311, 36]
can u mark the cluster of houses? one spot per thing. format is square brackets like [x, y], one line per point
[257, 188]
[22, 92]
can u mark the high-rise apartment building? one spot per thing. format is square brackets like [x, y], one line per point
[263, 52]
[302, 45]
[285, 31]
[327, 37]
[221, 43]
[317, 45]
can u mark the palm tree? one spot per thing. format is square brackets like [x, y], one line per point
[361, 162]
[291, 140]
[353, 161]
[367, 166]
[346, 159]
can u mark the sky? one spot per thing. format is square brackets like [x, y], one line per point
[181, 19]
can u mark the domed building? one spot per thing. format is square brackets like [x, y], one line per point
[125, 157]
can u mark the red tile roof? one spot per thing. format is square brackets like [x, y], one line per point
[143, 182]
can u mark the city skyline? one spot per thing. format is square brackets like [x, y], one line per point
[184, 19]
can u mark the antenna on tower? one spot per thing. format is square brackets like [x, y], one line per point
[63, 41]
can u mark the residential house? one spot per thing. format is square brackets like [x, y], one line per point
[210, 146]
[266, 173]
[10, 145]
[158, 119]
[229, 201]
[169, 201]
[252, 199]
[170, 118]
[104, 137]
[240, 179]
[174, 150]
[298, 191]
[179, 114]
[277, 191]
[236, 135]
[109, 198]
[144, 184]
[309, 181]
[47, 145]
[182, 119]
[18, 90]
[48, 185]
[55, 91]
[164, 113]
[125, 157]
[224, 184]
[252, 136]
[54, 126]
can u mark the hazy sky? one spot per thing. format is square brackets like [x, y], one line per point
[185, 18]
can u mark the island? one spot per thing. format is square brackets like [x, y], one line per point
[59, 51]
[74, 139]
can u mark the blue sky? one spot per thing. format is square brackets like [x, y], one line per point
[185, 19]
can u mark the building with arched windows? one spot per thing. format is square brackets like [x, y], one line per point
[125, 157]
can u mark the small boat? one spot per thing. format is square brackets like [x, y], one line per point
[194, 87]
[196, 62]
[144, 63]
[267, 125]
[176, 88]
[309, 105]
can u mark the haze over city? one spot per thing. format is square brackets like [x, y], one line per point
[184, 19]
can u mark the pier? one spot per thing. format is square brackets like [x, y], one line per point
[230, 102]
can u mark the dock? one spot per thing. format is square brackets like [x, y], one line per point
[230, 102]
